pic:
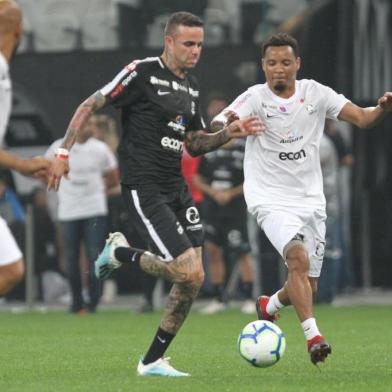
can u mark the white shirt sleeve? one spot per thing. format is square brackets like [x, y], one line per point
[334, 102]
[244, 105]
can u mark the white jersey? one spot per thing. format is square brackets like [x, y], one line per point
[83, 195]
[282, 166]
[5, 97]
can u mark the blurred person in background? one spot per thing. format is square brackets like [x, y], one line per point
[159, 102]
[220, 177]
[52, 285]
[283, 180]
[11, 259]
[83, 211]
[327, 283]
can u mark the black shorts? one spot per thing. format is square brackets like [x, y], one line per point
[170, 221]
[230, 232]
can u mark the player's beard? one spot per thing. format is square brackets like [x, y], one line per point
[280, 87]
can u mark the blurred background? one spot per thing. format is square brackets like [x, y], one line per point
[71, 48]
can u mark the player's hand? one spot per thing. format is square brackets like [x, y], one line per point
[385, 102]
[249, 126]
[222, 197]
[31, 166]
[59, 168]
[231, 116]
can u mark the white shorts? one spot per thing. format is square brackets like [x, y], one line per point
[281, 224]
[9, 249]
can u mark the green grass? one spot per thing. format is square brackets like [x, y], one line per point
[62, 352]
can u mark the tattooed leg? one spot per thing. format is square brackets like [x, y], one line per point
[181, 297]
[180, 270]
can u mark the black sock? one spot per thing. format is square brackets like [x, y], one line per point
[247, 289]
[128, 255]
[218, 291]
[158, 346]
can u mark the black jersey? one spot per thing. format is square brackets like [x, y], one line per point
[223, 170]
[158, 108]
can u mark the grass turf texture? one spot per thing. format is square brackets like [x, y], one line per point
[63, 352]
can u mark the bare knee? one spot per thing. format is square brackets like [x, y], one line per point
[190, 268]
[297, 260]
[11, 274]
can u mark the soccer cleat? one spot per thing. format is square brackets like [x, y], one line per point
[318, 349]
[261, 309]
[106, 262]
[248, 307]
[214, 307]
[161, 367]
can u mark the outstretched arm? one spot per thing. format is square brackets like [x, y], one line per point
[82, 114]
[367, 117]
[200, 142]
[27, 167]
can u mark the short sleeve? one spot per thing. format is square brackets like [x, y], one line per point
[122, 90]
[244, 105]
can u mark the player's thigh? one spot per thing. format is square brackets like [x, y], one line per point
[10, 252]
[189, 217]
[154, 218]
[280, 226]
[315, 242]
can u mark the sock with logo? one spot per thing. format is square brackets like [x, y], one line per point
[310, 328]
[158, 346]
[128, 255]
[274, 305]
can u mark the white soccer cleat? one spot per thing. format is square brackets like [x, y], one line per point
[248, 307]
[106, 262]
[161, 367]
[214, 307]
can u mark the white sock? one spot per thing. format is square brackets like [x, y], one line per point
[274, 305]
[310, 328]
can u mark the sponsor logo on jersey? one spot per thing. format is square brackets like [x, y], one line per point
[240, 102]
[192, 215]
[282, 109]
[292, 156]
[154, 80]
[177, 86]
[180, 229]
[128, 79]
[169, 143]
[310, 108]
[118, 89]
[290, 137]
[160, 92]
[178, 125]
[193, 92]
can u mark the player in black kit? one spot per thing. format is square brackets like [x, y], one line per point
[160, 111]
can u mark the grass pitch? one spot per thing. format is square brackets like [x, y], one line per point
[62, 352]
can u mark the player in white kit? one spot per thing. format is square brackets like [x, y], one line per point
[283, 181]
[11, 261]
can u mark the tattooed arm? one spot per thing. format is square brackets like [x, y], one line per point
[60, 166]
[200, 142]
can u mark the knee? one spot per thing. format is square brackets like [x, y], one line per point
[297, 259]
[196, 278]
[17, 272]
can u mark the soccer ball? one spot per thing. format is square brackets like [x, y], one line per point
[261, 343]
